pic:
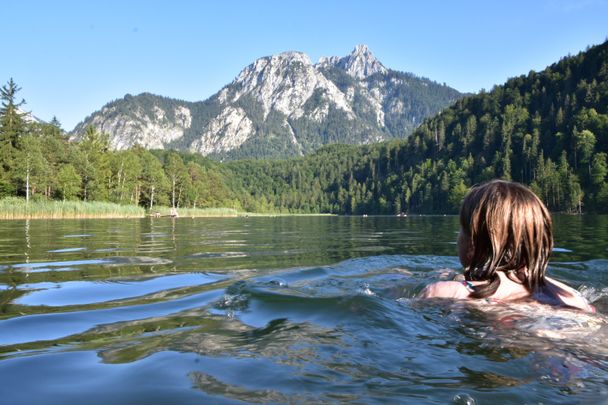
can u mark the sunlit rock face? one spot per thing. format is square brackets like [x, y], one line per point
[279, 106]
[145, 120]
[360, 64]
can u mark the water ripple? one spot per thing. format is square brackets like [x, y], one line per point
[282, 310]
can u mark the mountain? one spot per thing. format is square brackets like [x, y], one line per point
[279, 106]
[546, 129]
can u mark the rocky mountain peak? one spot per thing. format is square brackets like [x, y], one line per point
[272, 69]
[361, 49]
[362, 63]
[292, 56]
[282, 82]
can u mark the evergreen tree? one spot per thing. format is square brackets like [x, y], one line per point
[12, 124]
[94, 165]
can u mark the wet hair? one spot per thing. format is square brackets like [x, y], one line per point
[508, 229]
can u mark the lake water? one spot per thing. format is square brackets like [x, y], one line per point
[284, 310]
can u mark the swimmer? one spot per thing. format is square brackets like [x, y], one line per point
[504, 245]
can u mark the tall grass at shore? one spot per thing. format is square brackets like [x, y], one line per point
[17, 208]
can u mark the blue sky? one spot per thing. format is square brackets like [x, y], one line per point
[72, 57]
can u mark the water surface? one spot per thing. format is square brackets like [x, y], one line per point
[284, 310]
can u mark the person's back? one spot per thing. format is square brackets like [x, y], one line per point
[504, 245]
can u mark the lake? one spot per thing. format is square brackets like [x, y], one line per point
[284, 310]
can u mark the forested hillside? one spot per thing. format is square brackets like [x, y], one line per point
[546, 129]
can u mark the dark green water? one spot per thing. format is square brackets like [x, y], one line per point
[283, 310]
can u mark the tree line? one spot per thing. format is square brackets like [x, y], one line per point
[38, 161]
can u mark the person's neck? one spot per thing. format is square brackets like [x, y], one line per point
[509, 289]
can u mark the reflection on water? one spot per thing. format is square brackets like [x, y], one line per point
[284, 310]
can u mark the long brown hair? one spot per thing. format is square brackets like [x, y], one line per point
[508, 229]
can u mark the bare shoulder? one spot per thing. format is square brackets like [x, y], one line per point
[445, 289]
[571, 298]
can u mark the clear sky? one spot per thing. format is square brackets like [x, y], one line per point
[72, 57]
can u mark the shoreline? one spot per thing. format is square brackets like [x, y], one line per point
[84, 216]
[14, 208]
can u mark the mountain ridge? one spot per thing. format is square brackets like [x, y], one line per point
[279, 106]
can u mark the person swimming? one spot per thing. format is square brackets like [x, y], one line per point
[504, 245]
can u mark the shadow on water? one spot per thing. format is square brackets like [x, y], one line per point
[284, 310]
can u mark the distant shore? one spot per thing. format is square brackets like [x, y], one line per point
[17, 208]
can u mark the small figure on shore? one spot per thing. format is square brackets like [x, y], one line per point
[504, 245]
[174, 213]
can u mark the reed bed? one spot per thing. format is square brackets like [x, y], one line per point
[17, 208]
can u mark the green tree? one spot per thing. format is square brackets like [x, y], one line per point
[68, 182]
[601, 199]
[599, 169]
[584, 144]
[126, 168]
[154, 182]
[58, 151]
[30, 165]
[94, 165]
[177, 174]
[198, 192]
[456, 195]
[12, 125]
